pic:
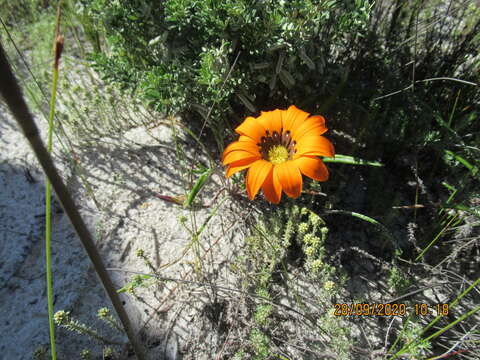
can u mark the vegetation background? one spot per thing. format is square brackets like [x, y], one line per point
[398, 82]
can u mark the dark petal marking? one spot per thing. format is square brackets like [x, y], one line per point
[286, 139]
[270, 140]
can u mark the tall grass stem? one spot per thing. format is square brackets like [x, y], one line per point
[48, 206]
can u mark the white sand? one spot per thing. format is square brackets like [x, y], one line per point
[124, 174]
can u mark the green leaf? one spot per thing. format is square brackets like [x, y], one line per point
[196, 188]
[472, 168]
[345, 159]
[387, 234]
[134, 283]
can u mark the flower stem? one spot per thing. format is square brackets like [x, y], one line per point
[48, 205]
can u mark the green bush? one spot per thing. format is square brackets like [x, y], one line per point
[178, 53]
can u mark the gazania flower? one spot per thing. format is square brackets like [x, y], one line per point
[277, 148]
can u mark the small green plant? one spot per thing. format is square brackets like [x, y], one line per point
[411, 333]
[260, 344]
[40, 353]
[141, 254]
[137, 281]
[263, 310]
[338, 333]
[239, 355]
[289, 240]
[397, 279]
[108, 353]
[105, 315]
[63, 319]
[86, 354]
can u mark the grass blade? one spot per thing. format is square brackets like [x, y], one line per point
[368, 219]
[197, 187]
[472, 168]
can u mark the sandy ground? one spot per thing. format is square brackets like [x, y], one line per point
[22, 270]
[124, 175]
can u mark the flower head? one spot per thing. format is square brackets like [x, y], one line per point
[277, 148]
[329, 285]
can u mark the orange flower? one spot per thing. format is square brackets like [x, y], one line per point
[277, 148]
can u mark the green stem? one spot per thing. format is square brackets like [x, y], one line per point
[48, 215]
[350, 160]
[435, 239]
[82, 329]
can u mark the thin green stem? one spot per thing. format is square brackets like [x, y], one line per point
[48, 215]
[345, 159]
[436, 238]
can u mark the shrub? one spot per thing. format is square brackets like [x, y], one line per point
[178, 53]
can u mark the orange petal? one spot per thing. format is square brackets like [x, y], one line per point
[272, 189]
[314, 125]
[237, 155]
[293, 118]
[244, 138]
[252, 128]
[314, 145]
[312, 167]
[256, 176]
[239, 166]
[289, 178]
[272, 120]
[248, 146]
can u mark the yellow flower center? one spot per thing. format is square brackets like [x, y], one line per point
[277, 154]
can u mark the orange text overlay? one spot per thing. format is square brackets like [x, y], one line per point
[388, 309]
[374, 309]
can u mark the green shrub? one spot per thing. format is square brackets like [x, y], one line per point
[178, 53]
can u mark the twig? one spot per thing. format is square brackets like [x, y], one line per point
[450, 351]
[426, 80]
[414, 292]
[388, 332]
[218, 287]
